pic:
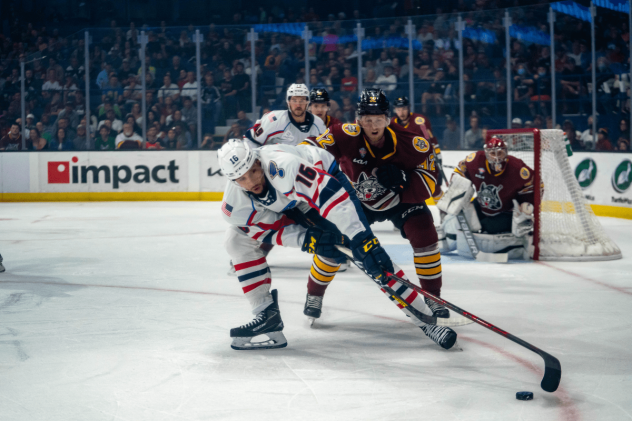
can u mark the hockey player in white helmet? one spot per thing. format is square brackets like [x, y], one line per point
[290, 126]
[292, 196]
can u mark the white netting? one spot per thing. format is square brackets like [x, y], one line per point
[569, 230]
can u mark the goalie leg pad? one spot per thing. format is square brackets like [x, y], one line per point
[458, 195]
[493, 243]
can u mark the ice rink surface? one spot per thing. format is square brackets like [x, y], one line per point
[122, 311]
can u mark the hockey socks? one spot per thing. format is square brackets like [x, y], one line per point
[321, 274]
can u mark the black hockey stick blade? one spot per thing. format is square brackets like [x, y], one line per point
[552, 367]
[552, 373]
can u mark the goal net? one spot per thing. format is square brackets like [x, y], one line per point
[565, 227]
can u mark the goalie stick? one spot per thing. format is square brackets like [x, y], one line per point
[552, 367]
[479, 255]
[439, 321]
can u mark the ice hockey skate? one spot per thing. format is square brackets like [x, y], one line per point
[438, 310]
[1, 267]
[441, 335]
[344, 266]
[268, 322]
[313, 308]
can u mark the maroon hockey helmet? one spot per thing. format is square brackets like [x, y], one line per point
[496, 153]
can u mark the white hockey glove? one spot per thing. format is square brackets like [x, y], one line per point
[522, 222]
[458, 195]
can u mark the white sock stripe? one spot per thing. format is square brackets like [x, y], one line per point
[327, 261]
[428, 265]
[426, 253]
[322, 272]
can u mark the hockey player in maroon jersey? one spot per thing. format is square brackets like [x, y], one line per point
[419, 124]
[504, 186]
[319, 106]
[393, 172]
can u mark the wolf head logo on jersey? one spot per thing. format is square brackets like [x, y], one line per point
[488, 196]
[367, 188]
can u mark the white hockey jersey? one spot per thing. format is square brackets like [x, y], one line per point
[279, 127]
[296, 176]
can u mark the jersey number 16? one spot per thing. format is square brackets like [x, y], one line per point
[308, 173]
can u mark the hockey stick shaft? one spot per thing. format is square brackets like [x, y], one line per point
[552, 367]
[473, 245]
[395, 297]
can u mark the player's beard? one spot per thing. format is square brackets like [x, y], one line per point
[297, 115]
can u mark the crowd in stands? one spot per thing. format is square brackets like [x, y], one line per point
[55, 83]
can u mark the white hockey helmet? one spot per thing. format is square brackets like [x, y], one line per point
[235, 158]
[297, 89]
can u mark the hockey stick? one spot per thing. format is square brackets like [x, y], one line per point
[479, 255]
[394, 296]
[552, 367]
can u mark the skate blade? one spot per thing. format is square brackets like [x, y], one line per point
[275, 340]
[311, 321]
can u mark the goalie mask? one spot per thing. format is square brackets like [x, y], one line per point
[496, 153]
[235, 158]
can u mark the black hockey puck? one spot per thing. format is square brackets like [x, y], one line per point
[524, 396]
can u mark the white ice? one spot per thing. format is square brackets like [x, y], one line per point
[122, 311]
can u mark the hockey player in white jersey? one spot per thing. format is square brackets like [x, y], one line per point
[290, 126]
[271, 193]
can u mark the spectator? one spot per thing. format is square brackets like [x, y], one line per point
[108, 104]
[571, 134]
[473, 138]
[60, 141]
[388, 81]
[113, 89]
[451, 136]
[185, 140]
[189, 114]
[189, 89]
[12, 141]
[623, 145]
[211, 104]
[152, 139]
[38, 143]
[44, 133]
[244, 122]
[229, 92]
[64, 123]
[135, 127]
[104, 75]
[436, 92]
[104, 142]
[235, 132]
[68, 113]
[541, 99]
[587, 137]
[51, 84]
[624, 132]
[603, 140]
[132, 92]
[523, 90]
[168, 89]
[349, 82]
[370, 81]
[172, 140]
[241, 83]
[80, 142]
[115, 124]
[273, 61]
[210, 143]
[127, 139]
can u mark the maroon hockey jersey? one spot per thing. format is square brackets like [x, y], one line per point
[331, 121]
[496, 191]
[358, 160]
[417, 123]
